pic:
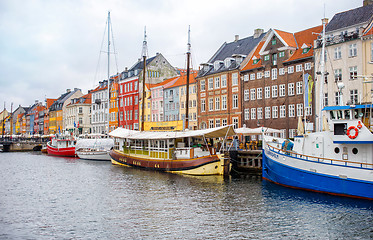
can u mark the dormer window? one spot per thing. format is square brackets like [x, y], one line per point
[217, 65]
[306, 50]
[255, 61]
[228, 62]
[281, 54]
[136, 71]
[266, 57]
[274, 41]
[129, 73]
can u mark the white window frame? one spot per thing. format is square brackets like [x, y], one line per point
[217, 103]
[291, 109]
[247, 113]
[246, 95]
[224, 81]
[274, 73]
[234, 79]
[298, 68]
[299, 109]
[267, 112]
[217, 82]
[299, 87]
[259, 93]
[282, 111]
[290, 89]
[267, 74]
[259, 113]
[307, 66]
[252, 94]
[274, 91]
[274, 111]
[235, 101]
[267, 92]
[252, 76]
[224, 102]
[281, 71]
[290, 69]
[253, 113]
[259, 75]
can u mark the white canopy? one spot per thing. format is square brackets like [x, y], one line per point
[100, 143]
[256, 131]
[209, 133]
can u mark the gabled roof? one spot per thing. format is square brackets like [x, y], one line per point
[350, 18]
[57, 105]
[304, 38]
[140, 64]
[182, 80]
[166, 82]
[250, 65]
[286, 37]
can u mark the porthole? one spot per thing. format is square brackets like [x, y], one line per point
[336, 150]
[354, 151]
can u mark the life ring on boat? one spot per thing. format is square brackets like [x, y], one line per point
[359, 126]
[349, 131]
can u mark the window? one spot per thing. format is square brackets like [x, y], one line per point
[326, 102]
[217, 122]
[235, 122]
[273, 40]
[337, 98]
[202, 84]
[246, 95]
[267, 112]
[246, 78]
[281, 71]
[267, 74]
[299, 109]
[307, 66]
[308, 111]
[337, 53]
[224, 122]
[352, 50]
[274, 91]
[274, 73]
[291, 110]
[203, 105]
[217, 82]
[211, 83]
[255, 61]
[234, 79]
[274, 59]
[291, 69]
[292, 133]
[224, 102]
[338, 74]
[282, 90]
[211, 104]
[217, 103]
[306, 50]
[290, 89]
[353, 72]
[298, 68]
[274, 112]
[282, 111]
[235, 101]
[211, 123]
[354, 96]
[223, 81]
[260, 113]
[299, 86]
[253, 113]
[259, 75]
[281, 54]
[247, 113]
[252, 94]
[266, 57]
[252, 76]
[267, 92]
[259, 93]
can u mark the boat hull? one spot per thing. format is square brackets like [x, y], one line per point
[94, 155]
[63, 152]
[316, 176]
[207, 165]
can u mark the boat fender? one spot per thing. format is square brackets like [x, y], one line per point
[359, 125]
[349, 132]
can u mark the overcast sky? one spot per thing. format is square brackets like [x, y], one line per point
[49, 46]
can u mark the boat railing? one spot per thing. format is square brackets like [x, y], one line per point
[320, 159]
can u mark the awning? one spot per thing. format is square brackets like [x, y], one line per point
[256, 131]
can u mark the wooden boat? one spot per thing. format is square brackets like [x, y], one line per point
[186, 152]
[62, 145]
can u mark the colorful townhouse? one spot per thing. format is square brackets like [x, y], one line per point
[57, 110]
[219, 83]
[3, 117]
[113, 109]
[130, 89]
[78, 115]
[48, 102]
[345, 64]
[100, 108]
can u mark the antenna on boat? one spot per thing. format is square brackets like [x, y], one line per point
[187, 83]
[144, 54]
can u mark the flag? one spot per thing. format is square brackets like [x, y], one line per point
[59, 129]
[308, 84]
[74, 125]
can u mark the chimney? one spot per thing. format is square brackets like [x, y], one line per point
[68, 90]
[126, 69]
[236, 37]
[258, 32]
[325, 21]
[367, 2]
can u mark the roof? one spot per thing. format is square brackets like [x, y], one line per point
[250, 65]
[182, 80]
[305, 37]
[350, 18]
[240, 47]
[223, 131]
[368, 30]
[57, 105]
[140, 64]
[287, 37]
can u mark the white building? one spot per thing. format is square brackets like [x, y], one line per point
[78, 115]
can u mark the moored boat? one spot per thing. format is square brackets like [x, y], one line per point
[62, 145]
[338, 161]
[94, 149]
[185, 152]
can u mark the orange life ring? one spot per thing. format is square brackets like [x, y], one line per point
[356, 132]
[359, 125]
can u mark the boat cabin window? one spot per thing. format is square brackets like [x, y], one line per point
[340, 128]
[356, 113]
[339, 114]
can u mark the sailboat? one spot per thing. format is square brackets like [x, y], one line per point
[97, 146]
[183, 152]
[337, 160]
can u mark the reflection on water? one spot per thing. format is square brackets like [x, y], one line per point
[44, 197]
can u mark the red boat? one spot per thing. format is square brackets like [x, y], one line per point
[63, 146]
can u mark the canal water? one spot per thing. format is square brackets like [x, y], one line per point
[44, 197]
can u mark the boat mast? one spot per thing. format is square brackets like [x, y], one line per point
[144, 51]
[108, 72]
[322, 74]
[187, 84]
